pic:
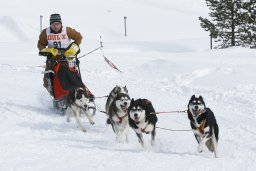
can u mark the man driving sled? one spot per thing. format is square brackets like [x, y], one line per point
[55, 42]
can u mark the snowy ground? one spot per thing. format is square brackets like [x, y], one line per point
[164, 58]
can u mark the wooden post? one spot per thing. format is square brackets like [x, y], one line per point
[41, 23]
[125, 31]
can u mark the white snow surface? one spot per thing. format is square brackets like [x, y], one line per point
[164, 58]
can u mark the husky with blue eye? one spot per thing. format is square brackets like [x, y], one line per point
[142, 119]
[116, 108]
[203, 124]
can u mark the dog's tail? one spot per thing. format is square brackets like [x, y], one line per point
[209, 145]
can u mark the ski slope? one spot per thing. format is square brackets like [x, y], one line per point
[165, 58]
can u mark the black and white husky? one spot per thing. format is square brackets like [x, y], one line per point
[116, 108]
[203, 124]
[78, 101]
[143, 119]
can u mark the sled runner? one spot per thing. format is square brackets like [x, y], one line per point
[63, 79]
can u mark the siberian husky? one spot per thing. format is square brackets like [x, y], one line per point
[116, 108]
[203, 124]
[143, 119]
[78, 101]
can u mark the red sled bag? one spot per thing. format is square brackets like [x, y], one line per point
[66, 80]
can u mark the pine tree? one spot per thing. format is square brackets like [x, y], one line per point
[232, 22]
[248, 28]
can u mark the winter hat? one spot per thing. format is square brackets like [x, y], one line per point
[55, 18]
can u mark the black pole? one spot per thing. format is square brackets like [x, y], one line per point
[211, 41]
[125, 31]
[41, 22]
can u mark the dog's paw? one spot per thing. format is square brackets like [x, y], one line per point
[108, 121]
[200, 149]
[118, 139]
[127, 139]
[153, 143]
[141, 143]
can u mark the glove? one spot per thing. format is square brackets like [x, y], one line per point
[49, 52]
[73, 50]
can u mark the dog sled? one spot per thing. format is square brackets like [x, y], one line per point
[63, 79]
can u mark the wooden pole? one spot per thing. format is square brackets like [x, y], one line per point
[41, 23]
[125, 30]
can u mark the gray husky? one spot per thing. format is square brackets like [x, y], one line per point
[116, 108]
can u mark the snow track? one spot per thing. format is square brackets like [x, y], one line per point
[32, 133]
[164, 58]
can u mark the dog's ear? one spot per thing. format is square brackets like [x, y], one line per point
[132, 101]
[125, 89]
[190, 100]
[78, 93]
[117, 89]
[142, 103]
[192, 97]
[201, 99]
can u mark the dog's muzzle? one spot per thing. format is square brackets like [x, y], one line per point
[85, 107]
[136, 118]
[124, 107]
[197, 112]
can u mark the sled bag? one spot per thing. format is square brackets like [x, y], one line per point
[65, 81]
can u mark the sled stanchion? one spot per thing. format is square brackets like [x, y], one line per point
[78, 67]
[105, 58]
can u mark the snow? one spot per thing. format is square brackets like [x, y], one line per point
[165, 58]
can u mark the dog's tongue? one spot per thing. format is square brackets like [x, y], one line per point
[202, 111]
[199, 112]
[136, 120]
[124, 109]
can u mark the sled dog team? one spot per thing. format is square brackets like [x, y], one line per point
[140, 115]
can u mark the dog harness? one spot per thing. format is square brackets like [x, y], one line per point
[201, 127]
[143, 129]
[121, 118]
